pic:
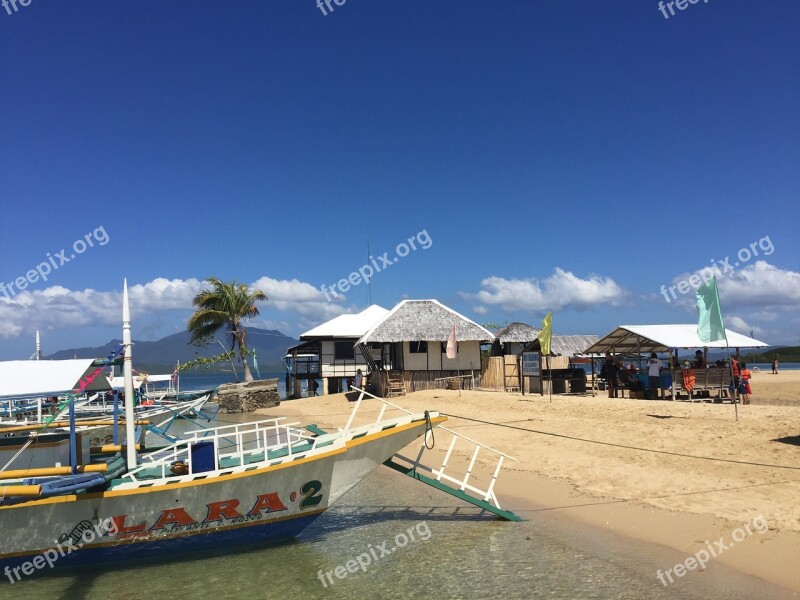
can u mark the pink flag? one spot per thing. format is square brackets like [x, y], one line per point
[452, 345]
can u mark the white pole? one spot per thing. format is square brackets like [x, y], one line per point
[38, 348]
[127, 369]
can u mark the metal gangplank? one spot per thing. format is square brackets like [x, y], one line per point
[444, 478]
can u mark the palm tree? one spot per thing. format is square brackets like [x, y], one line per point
[225, 305]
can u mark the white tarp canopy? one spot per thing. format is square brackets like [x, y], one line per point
[661, 338]
[20, 378]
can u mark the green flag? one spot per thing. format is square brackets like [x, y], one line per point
[709, 324]
[545, 334]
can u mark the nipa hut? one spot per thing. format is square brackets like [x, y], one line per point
[413, 337]
[513, 338]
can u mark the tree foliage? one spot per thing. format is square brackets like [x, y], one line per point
[226, 306]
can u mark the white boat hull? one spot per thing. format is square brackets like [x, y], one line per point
[263, 505]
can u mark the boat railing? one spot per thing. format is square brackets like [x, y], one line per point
[232, 446]
[442, 473]
[385, 404]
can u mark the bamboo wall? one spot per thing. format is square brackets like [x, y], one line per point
[426, 380]
[497, 372]
[492, 372]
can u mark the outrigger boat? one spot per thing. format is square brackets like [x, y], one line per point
[253, 483]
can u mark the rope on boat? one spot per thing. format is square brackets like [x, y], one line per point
[429, 428]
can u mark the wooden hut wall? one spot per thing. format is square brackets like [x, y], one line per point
[469, 357]
[339, 367]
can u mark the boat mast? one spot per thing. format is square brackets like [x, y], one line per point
[127, 370]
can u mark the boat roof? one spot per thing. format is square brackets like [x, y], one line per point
[20, 378]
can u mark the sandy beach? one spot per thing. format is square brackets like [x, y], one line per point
[678, 474]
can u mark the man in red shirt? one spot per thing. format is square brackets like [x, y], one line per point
[735, 373]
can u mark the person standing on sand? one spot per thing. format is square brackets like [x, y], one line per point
[611, 366]
[735, 374]
[653, 375]
[774, 365]
[744, 385]
[359, 379]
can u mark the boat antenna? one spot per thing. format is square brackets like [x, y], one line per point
[369, 283]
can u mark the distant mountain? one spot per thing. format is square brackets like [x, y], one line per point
[160, 356]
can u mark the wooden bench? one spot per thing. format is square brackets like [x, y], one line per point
[707, 380]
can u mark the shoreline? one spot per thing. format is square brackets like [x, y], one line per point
[675, 474]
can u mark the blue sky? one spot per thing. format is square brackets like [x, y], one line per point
[567, 156]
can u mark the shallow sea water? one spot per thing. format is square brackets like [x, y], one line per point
[467, 555]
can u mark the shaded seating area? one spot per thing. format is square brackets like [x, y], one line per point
[637, 386]
[668, 341]
[710, 382]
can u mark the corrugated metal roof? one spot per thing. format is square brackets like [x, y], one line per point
[347, 326]
[660, 338]
[570, 345]
[424, 320]
[567, 345]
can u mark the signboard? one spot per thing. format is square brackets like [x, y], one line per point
[530, 364]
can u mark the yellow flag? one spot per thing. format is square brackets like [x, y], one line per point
[545, 334]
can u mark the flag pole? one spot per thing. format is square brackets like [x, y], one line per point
[735, 387]
[710, 324]
[458, 371]
[544, 345]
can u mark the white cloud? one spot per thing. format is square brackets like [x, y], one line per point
[761, 286]
[297, 296]
[57, 307]
[737, 323]
[165, 294]
[560, 290]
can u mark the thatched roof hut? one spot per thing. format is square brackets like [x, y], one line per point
[517, 332]
[424, 320]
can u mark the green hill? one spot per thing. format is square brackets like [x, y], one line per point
[784, 354]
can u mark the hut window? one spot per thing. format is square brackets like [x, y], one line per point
[418, 347]
[444, 347]
[344, 351]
